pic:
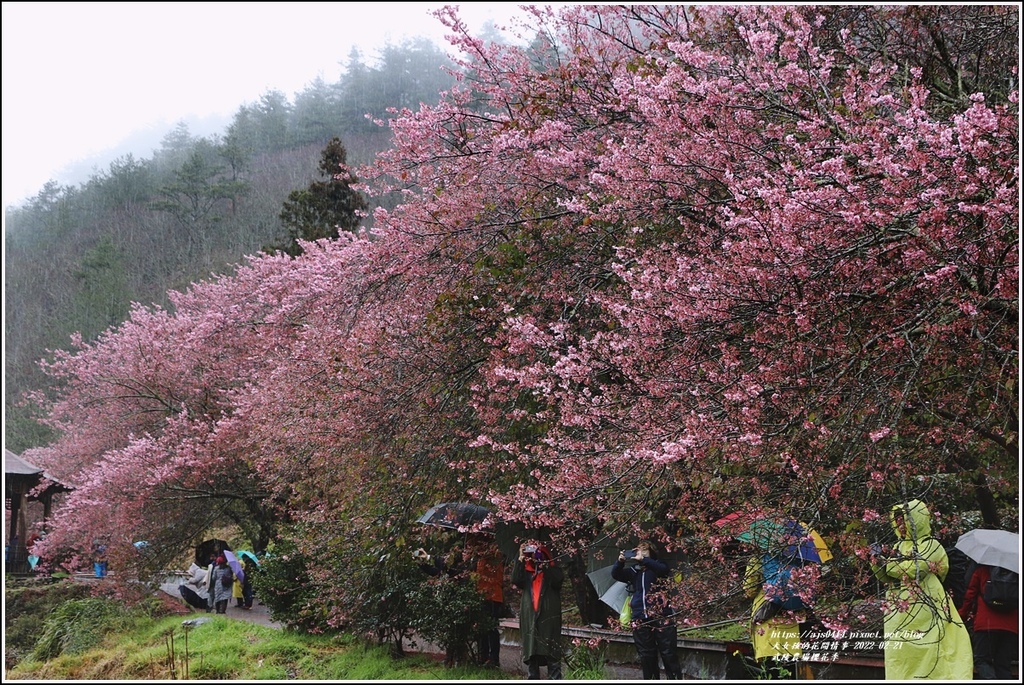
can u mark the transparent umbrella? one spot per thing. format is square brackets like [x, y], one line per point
[612, 592]
[992, 548]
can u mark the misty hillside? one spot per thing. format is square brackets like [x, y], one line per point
[141, 142]
[77, 256]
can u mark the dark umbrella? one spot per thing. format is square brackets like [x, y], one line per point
[207, 547]
[454, 515]
[192, 597]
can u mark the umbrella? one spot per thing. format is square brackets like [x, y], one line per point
[454, 515]
[612, 592]
[207, 547]
[235, 565]
[792, 539]
[246, 554]
[992, 548]
[805, 543]
[191, 597]
[753, 529]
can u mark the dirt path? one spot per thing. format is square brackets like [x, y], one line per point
[511, 656]
[259, 613]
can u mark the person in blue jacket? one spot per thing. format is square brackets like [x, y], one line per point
[654, 626]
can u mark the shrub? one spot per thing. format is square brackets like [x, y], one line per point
[77, 625]
[26, 605]
[449, 611]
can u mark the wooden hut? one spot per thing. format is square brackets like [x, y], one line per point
[21, 478]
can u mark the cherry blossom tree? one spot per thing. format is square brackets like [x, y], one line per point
[761, 272]
[665, 265]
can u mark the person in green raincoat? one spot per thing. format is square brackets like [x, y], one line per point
[924, 635]
[540, 610]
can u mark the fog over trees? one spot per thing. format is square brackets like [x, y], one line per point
[77, 256]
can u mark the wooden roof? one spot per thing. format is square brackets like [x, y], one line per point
[15, 465]
[18, 471]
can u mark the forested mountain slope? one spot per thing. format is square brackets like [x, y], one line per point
[77, 257]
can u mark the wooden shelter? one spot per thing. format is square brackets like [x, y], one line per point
[21, 478]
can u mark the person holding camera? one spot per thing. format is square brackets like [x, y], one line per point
[654, 626]
[540, 610]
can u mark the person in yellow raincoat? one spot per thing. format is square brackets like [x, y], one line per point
[924, 635]
[776, 641]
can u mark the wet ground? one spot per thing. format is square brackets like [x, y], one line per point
[258, 614]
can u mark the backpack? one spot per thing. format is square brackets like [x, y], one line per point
[778, 589]
[1002, 591]
[227, 579]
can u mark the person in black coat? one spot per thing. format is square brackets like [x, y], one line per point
[654, 626]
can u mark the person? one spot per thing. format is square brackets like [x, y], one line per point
[237, 594]
[653, 621]
[194, 590]
[211, 593]
[222, 582]
[995, 639]
[540, 609]
[99, 559]
[776, 639]
[489, 573]
[452, 567]
[924, 635]
[247, 592]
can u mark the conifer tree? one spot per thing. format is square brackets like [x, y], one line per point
[325, 207]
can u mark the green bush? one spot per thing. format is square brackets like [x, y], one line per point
[449, 611]
[381, 600]
[283, 584]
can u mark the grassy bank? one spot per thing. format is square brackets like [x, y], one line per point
[225, 649]
[63, 632]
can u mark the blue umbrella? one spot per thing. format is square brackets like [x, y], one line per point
[244, 553]
[805, 543]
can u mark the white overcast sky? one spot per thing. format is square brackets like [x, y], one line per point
[80, 77]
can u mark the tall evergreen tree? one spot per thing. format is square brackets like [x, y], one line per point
[324, 208]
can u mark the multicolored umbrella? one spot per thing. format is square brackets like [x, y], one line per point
[789, 539]
[805, 543]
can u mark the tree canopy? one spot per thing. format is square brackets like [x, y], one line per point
[691, 262]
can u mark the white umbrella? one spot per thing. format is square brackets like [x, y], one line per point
[992, 548]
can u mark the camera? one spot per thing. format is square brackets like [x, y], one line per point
[530, 549]
[629, 553]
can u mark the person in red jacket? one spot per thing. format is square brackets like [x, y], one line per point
[489, 572]
[995, 639]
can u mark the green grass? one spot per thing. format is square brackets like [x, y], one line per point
[226, 649]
